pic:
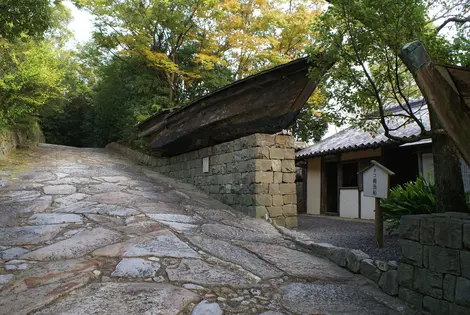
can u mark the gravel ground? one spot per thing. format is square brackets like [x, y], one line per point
[354, 234]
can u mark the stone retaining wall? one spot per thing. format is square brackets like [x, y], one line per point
[253, 174]
[384, 274]
[434, 273]
[11, 139]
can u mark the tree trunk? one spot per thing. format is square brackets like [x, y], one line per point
[450, 195]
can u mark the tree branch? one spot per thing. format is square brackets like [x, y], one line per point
[455, 20]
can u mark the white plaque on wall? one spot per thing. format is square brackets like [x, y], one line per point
[205, 165]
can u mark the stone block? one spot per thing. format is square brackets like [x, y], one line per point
[276, 153]
[262, 153]
[392, 265]
[409, 227]
[289, 210]
[462, 291]
[261, 211]
[354, 258]
[448, 287]
[278, 200]
[369, 270]
[389, 282]
[288, 177]
[287, 189]
[428, 282]
[260, 188]
[382, 265]
[265, 140]
[405, 275]
[284, 141]
[291, 222]
[448, 233]
[263, 165]
[426, 230]
[435, 306]
[412, 252]
[466, 235]
[246, 154]
[246, 199]
[290, 199]
[426, 256]
[214, 189]
[277, 178]
[263, 200]
[289, 154]
[281, 221]
[338, 255]
[274, 189]
[288, 166]
[274, 212]
[264, 177]
[455, 309]
[411, 297]
[276, 165]
[465, 264]
[322, 249]
[444, 260]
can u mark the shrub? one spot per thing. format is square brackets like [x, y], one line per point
[416, 197]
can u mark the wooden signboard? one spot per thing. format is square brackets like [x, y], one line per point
[376, 183]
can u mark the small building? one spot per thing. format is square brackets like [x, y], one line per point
[332, 165]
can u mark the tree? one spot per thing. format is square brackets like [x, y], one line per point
[189, 48]
[28, 17]
[366, 38]
[311, 125]
[31, 77]
[175, 38]
[258, 34]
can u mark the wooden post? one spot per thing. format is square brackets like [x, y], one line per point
[376, 183]
[379, 224]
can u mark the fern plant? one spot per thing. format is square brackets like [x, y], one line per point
[417, 197]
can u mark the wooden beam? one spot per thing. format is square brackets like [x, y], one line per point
[442, 93]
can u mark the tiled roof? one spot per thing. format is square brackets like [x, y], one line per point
[354, 138]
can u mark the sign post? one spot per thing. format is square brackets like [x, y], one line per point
[376, 184]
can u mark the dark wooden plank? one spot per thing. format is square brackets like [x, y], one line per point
[444, 98]
[265, 103]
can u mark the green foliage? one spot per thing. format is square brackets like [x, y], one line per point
[128, 91]
[366, 37]
[28, 17]
[416, 197]
[156, 55]
[309, 125]
[31, 78]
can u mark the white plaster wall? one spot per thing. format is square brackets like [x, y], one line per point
[349, 203]
[314, 186]
[367, 207]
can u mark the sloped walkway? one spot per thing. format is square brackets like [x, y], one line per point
[86, 232]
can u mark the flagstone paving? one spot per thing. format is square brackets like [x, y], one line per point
[83, 231]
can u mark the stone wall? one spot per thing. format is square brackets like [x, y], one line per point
[11, 139]
[253, 174]
[434, 273]
[383, 273]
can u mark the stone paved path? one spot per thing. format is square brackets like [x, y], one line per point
[87, 232]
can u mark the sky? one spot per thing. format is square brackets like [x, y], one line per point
[81, 25]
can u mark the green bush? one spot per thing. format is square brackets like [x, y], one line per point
[416, 197]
